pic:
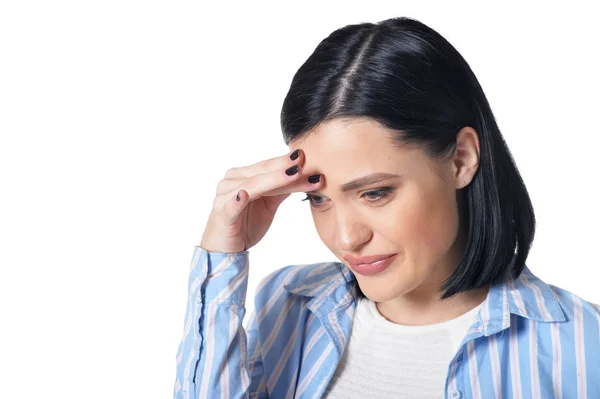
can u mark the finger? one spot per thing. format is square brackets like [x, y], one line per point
[235, 205]
[278, 182]
[258, 185]
[300, 186]
[264, 166]
[226, 185]
[269, 184]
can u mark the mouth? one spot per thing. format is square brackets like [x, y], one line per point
[375, 267]
[361, 260]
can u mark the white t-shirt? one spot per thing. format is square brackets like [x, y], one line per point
[388, 360]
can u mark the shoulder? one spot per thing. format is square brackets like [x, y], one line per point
[575, 307]
[581, 329]
[547, 302]
[579, 335]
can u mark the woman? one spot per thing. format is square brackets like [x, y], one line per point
[413, 189]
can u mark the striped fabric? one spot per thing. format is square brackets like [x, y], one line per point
[530, 340]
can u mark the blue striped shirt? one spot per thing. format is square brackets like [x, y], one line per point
[530, 339]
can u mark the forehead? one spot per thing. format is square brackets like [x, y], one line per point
[345, 147]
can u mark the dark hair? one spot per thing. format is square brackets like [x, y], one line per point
[406, 76]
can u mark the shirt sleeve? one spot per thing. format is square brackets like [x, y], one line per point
[217, 357]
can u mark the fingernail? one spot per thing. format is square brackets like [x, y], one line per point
[292, 170]
[314, 179]
[294, 155]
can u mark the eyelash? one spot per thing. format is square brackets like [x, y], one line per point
[380, 192]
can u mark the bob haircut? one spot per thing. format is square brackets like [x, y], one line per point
[406, 76]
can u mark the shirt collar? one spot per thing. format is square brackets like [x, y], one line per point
[318, 279]
[527, 296]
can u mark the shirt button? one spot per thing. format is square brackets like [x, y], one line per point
[456, 394]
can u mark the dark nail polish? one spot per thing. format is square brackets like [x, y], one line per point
[314, 179]
[294, 155]
[291, 170]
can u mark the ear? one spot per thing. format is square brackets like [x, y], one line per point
[466, 157]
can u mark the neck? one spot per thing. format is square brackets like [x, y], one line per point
[418, 308]
[422, 306]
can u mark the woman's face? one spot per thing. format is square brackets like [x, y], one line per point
[414, 214]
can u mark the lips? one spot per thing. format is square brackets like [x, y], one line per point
[376, 267]
[354, 261]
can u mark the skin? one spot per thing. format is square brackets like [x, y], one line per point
[418, 219]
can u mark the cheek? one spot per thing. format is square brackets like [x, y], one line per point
[427, 224]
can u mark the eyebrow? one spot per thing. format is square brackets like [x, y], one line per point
[364, 181]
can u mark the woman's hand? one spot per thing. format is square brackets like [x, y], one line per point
[235, 226]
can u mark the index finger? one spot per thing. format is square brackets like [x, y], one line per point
[265, 166]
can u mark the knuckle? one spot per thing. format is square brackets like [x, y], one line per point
[219, 203]
[250, 183]
[222, 185]
[265, 165]
[231, 172]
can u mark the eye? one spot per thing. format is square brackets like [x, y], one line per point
[378, 194]
[374, 196]
[311, 199]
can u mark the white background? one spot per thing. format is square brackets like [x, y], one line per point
[118, 119]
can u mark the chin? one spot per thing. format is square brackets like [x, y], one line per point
[389, 288]
[380, 295]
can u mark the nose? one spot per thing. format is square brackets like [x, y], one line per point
[351, 232]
